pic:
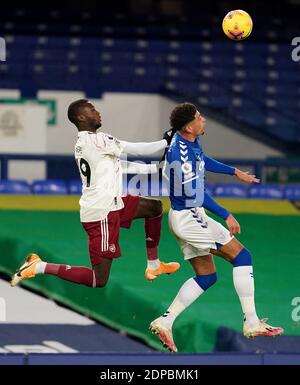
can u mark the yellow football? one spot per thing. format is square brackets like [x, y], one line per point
[237, 25]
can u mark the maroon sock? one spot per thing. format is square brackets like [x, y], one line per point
[77, 274]
[152, 230]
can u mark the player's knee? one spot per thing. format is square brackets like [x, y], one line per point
[156, 208]
[100, 284]
[100, 281]
[206, 281]
[243, 258]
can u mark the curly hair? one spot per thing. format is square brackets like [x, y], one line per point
[75, 108]
[181, 115]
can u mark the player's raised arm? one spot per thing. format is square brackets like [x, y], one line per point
[245, 176]
[138, 168]
[144, 149]
[213, 165]
[147, 149]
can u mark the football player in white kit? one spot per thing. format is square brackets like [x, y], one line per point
[200, 236]
[103, 209]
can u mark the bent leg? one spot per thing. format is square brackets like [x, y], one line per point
[33, 265]
[96, 277]
[203, 265]
[191, 289]
[151, 210]
[102, 272]
[229, 251]
[205, 270]
[241, 260]
[148, 208]
[243, 280]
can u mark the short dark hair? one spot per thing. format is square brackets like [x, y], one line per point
[181, 115]
[74, 109]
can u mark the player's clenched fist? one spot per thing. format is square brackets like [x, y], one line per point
[168, 135]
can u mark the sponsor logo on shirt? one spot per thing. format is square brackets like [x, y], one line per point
[201, 165]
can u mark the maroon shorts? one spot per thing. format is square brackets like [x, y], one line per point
[103, 236]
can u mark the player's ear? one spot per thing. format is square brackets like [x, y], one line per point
[80, 118]
[188, 129]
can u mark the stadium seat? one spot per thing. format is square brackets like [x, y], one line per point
[49, 187]
[227, 77]
[75, 187]
[14, 187]
[230, 190]
[265, 191]
[292, 192]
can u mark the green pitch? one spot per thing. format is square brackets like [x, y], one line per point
[130, 303]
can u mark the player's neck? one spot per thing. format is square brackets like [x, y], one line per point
[186, 136]
[84, 127]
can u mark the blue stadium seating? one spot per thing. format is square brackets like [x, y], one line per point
[75, 187]
[292, 192]
[14, 187]
[49, 187]
[224, 76]
[234, 190]
[266, 191]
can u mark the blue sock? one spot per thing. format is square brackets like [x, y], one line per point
[243, 258]
[206, 281]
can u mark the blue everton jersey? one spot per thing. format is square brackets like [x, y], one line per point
[184, 170]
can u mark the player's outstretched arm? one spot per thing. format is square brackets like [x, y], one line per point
[148, 149]
[245, 176]
[213, 165]
[144, 149]
[138, 168]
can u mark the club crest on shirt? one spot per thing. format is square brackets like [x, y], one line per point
[186, 168]
[112, 139]
[112, 248]
[78, 150]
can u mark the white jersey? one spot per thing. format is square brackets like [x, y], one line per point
[97, 156]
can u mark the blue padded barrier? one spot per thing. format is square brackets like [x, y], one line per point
[292, 192]
[75, 187]
[231, 190]
[14, 187]
[265, 191]
[50, 186]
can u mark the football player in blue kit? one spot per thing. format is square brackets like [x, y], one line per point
[198, 235]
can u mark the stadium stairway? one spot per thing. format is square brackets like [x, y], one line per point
[31, 323]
